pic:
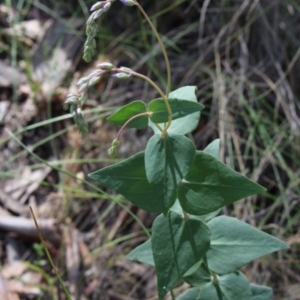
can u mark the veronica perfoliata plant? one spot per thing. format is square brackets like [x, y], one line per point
[190, 241]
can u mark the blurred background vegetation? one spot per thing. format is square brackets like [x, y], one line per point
[243, 55]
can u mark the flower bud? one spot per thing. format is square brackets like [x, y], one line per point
[88, 29]
[79, 112]
[113, 150]
[71, 99]
[128, 2]
[125, 69]
[94, 80]
[98, 5]
[89, 41]
[106, 7]
[83, 80]
[82, 99]
[87, 56]
[105, 66]
[83, 87]
[91, 30]
[95, 73]
[94, 45]
[97, 14]
[120, 75]
[71, 95]
[90, 20]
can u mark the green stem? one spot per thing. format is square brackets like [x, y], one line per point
[172, 295]
[131, 119]
[214, 276]
[163, 49]
[68, 296]
[154, 85]
[185, 215]
[158, 127]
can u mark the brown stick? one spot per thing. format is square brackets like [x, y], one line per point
[25, 228]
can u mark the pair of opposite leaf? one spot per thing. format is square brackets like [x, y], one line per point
[171, 168]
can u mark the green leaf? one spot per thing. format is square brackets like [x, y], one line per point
[177, 244]
[205, 218]
[167, 161]
[210, 185]
[235, 243]
[235, 286]
[129, 179]
[193, 269]
[177, 208]
[199, 278]
[142, 253]
[128, 111]
[179, 107]
[260, 292]
[213, 148]
[190, 294]
[186, 124]
[211, 292]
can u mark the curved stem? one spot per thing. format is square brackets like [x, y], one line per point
[160, 92]
[131, 119]
[158, 127]
[185, 215]
[214, 277]
[163, 49]
[155, 86]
